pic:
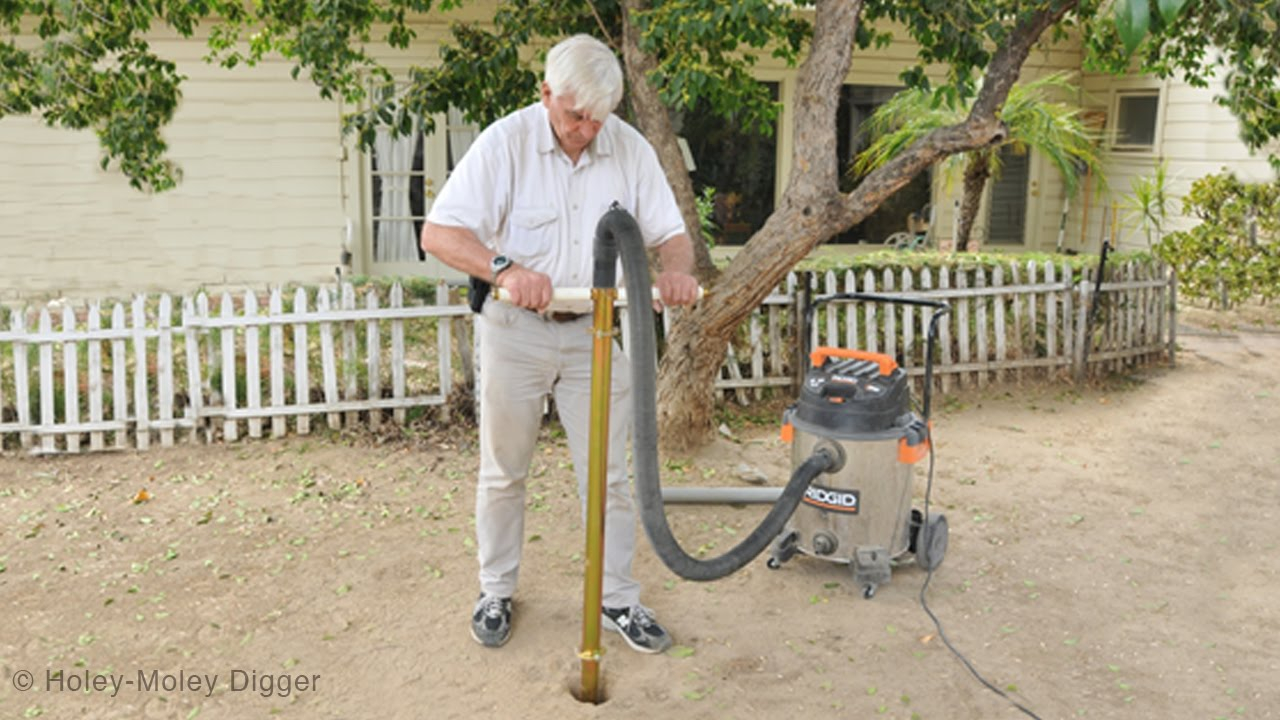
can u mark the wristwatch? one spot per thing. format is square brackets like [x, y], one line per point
[497, 265]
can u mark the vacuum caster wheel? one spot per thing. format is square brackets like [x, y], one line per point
[930, 541]
[772, 563]
[868, 591]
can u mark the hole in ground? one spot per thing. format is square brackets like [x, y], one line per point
[573, 683]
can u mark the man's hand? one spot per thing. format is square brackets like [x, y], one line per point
[676, 289]
[525, 288]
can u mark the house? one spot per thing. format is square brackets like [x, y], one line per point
[272, 193]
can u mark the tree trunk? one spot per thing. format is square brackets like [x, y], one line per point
[654, 121]
[975, 181]
[812, 210]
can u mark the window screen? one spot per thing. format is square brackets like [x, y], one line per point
[1136, 121]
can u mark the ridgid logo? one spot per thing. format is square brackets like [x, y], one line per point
[842, 501]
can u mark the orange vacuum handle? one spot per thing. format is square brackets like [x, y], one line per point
[886, 363]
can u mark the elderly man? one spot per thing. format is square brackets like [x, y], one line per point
[520, 211]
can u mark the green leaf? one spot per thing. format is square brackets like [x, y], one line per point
[1169, 9]
[1133, 18]
[681, 651]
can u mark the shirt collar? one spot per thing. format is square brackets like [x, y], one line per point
[601, 146]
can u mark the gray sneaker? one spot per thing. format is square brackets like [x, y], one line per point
[491, 620]
[638, 627]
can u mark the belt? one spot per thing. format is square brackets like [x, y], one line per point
[564, 317]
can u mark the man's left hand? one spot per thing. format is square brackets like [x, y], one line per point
[676, 289]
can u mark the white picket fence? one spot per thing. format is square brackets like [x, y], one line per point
[148, 376]
[208, 373]
[1005, 324]
[1018, 319]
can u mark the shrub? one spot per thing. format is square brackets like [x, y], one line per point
[1233, 255]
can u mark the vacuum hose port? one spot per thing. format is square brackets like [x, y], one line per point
[834, 452]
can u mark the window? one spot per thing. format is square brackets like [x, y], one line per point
[857, 104]
[740, 165]
[405, 173]
[1135, 126]
[1007, 214]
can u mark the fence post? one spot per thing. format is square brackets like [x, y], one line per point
[373, 345]
[21, 376]
[275, 337]
[70, 379]
[164, 370]
[871, 326]
[95, 377]
[1084, 291]
[799, 304]
[212, 361]
[944, 333]
[1173, 315]
[191, 326]
[230, 428]
[252, 363]
[1067, 292]
[1019, 344]
[47, 418]
[328, 361]
[351, 390]
[397, 354]
[444, 348]
[141, 396]
[119, 380]
[908, 322]
[1000, 331]
[964, 357]
[890, 316]
[301, 360]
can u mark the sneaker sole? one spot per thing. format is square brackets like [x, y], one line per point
[611, 626]
[476, 637]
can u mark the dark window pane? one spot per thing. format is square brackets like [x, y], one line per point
[1136, 120]
[1007, 223]
[857, 103]
[740, 165]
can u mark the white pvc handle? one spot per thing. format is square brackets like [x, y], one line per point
[571, 294]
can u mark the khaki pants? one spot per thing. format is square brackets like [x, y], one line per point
[523, 357]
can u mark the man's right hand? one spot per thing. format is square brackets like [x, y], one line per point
[525, 288]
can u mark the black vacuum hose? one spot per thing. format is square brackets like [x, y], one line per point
[617, 231]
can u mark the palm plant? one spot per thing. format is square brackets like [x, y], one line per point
[1149, 202]
[1054, 129]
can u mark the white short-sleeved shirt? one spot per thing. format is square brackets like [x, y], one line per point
[518, 192]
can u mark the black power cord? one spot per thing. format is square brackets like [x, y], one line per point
[938, 623]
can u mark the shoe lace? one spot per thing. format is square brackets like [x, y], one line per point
[491, 606]
[641, 616]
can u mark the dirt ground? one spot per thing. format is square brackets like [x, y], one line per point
[1113, 555]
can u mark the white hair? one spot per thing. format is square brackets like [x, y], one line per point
[587, 69]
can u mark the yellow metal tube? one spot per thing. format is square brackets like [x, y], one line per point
[597, 471]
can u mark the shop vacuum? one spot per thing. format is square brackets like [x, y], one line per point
[857, 406]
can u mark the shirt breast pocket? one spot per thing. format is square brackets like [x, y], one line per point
[532, 231]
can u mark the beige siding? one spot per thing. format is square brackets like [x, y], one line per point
[1195, 135]
[260, 202]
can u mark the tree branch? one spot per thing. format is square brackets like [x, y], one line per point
[818, 92]
[981, 128]
[652, 117]
[1006, 63]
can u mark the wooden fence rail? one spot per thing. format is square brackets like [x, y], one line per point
[217, 368]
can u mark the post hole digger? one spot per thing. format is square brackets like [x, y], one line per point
[854, 436]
